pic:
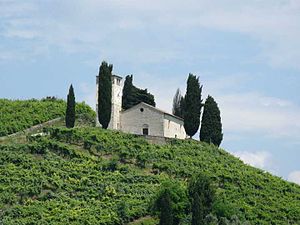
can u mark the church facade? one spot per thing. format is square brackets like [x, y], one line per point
[141, 119]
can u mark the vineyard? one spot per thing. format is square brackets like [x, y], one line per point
[93, 176]
[17, 115]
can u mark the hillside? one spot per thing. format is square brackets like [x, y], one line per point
[94, 176]
[17, 115]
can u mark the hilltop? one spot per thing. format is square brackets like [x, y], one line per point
[88, 175]
[17, 115]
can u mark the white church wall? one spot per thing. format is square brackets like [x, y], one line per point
[134, 120]
[173, 127]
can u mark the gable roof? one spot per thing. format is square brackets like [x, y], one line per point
[153, 108]
[114, 75]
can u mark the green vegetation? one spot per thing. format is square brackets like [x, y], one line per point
[166, 212]
[178, 102]
[104, 94]
[178, 201]
[133, 95]
[70, 111]
[192, 105]
[202, 195]
[211, 126]
[17, 115]
[96, 176]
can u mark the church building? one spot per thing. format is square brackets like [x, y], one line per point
[141, 119]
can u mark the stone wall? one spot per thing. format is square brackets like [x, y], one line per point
[156, 140]
[135, 119]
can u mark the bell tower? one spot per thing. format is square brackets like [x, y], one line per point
[116, 102]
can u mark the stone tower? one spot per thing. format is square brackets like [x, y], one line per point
[116, 102]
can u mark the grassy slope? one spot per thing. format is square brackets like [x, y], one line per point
[17, 115]
[73, 176]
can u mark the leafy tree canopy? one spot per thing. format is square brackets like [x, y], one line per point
[133, 95]
[178, 198]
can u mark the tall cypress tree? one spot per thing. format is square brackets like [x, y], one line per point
[127, 96]
[178, 104]
[202, 195]
[104, 94]
[70, 111]
[211, 126]
[197, 210]
[166, 214]
[192, 105]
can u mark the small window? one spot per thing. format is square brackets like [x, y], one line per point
[142, 109]
[118, 81]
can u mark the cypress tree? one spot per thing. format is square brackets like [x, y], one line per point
[178, 104]
[192, 105]
[133, 95]
[166, 214]
[104, 94]
[70, 111]
[127, 96]
[197, 212]
[211, 126]
[201, 194]
[179, 201]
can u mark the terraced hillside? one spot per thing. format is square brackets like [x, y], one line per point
[94, 176]
[17, 115]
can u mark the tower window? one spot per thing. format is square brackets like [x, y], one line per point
[142, 109]
[118, 81]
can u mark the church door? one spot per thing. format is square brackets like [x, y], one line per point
[145, 131]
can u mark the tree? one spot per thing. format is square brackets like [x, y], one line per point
[202, 194]
[197, 211]
[192, 105]
[178, 104]
[70, 111]
[133, 95]
[166, 214]
[211, 126]
[104, 94]
[178, 198]
[127, 96]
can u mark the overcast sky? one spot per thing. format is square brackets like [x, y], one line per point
[245, 52]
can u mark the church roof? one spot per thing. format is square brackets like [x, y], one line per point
[154, 108]
[114, 75]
